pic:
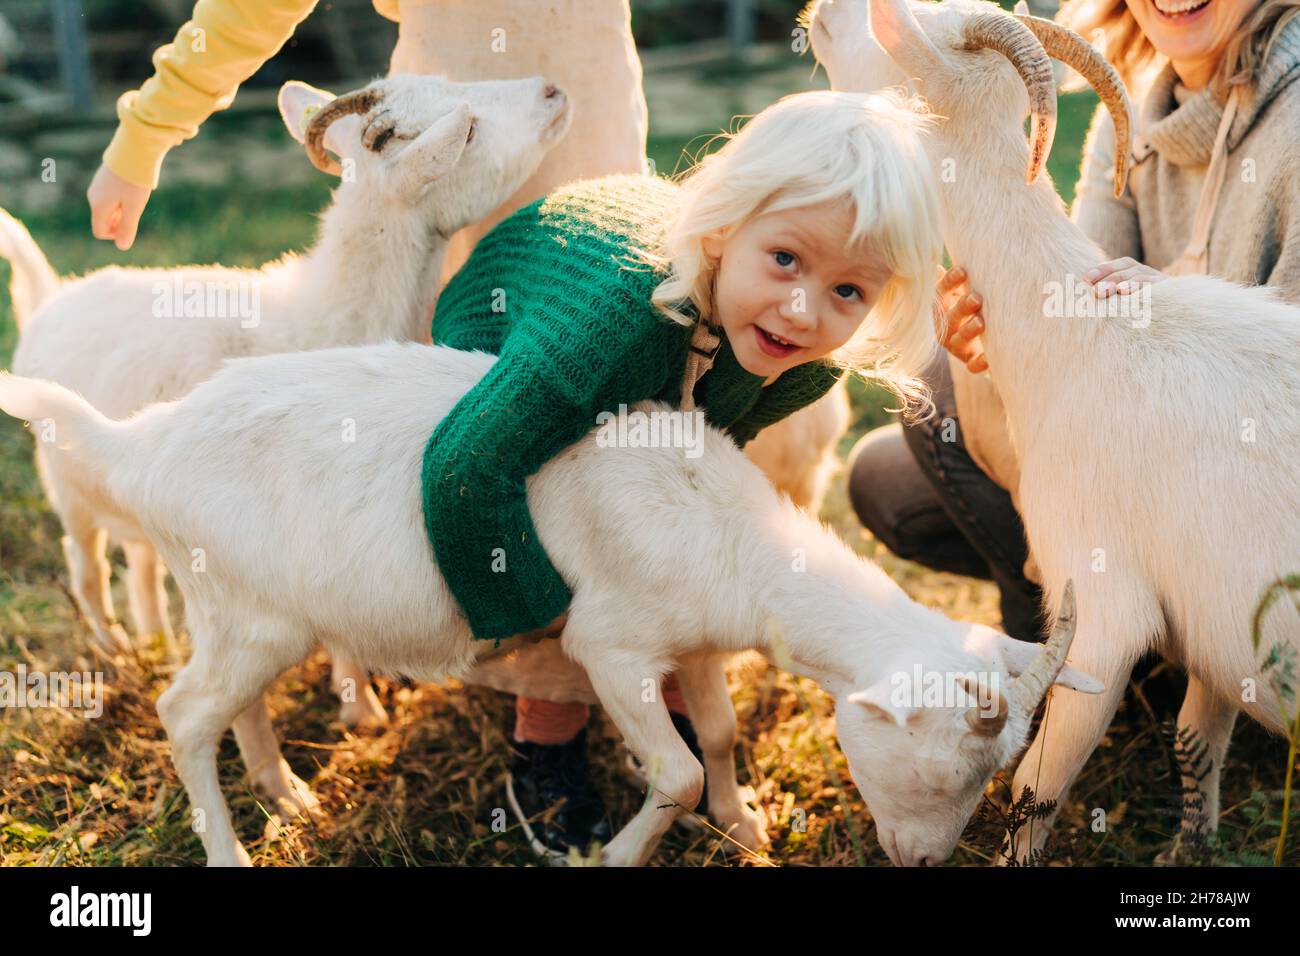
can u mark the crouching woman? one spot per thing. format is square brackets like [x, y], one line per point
[1215, 188]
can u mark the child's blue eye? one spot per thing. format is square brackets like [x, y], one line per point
[783, 262]
[852, 291]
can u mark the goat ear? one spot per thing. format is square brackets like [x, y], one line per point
[436, 151]
[894, 26]
[1020, 654]
[298, 102]
[880, 701]
[1078, 680]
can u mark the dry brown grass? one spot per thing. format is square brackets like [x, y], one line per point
[425, 791]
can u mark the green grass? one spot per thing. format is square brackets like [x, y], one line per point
[425, 790]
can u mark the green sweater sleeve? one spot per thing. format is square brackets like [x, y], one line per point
[541, 396]
[792, 391]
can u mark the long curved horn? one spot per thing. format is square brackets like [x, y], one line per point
[359, 101]
[1062, 43]
[1028, 690]
[1006, 35]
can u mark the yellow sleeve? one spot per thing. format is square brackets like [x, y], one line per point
[222, 45]
[388, 8]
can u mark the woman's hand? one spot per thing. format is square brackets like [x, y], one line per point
[962, 322]
[115, 207]
[1122, 276]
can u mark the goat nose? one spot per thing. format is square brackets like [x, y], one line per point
[552, 91]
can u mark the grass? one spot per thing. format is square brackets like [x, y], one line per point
[429, 788]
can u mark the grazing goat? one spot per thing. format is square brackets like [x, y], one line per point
[420, 157]
[1160, 452]
[323, 542]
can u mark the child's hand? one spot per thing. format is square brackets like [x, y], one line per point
[554, 629]
[115, 207]
[962, 322]
[1122, 276]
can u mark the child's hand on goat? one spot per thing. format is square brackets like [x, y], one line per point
[1122, 275]
[962, 322]
[554, 629]
[115, 207]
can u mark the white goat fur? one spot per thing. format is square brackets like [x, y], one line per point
[1131, 439]
[310, 539]
[372, 275]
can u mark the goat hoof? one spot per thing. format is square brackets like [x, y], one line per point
[287, 794]
[112, 641]
[301, 801]
[750, 830]
[364, 714]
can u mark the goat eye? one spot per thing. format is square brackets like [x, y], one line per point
[473, 128]
[379, 131]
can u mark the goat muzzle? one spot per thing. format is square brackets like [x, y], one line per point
[360, 101]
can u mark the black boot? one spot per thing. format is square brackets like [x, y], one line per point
[543, 776]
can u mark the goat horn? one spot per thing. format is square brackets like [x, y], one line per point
[979, 724]
[1062, 43]
[1028, 690]
[1015, 41]
[359, 101]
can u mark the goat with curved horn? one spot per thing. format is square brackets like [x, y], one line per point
[1008, 36]
[1062, 43]
[895, 27]
[360, 101]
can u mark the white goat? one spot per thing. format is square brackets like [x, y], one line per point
[425, 157]
[324, 542]
[1160, 457]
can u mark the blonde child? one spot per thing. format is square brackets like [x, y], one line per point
[806, 245]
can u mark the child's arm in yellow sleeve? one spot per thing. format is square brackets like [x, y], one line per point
[224, 43]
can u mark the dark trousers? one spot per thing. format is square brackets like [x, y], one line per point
[917, 490]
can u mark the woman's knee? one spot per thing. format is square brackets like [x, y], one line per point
[888, 490]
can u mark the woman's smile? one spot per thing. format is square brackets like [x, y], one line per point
[1193, 34]
[1180, 11]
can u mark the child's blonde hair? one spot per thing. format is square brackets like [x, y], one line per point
[809, 148]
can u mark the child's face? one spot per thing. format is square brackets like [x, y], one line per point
[786, 291]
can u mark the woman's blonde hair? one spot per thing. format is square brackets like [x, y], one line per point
[863, 149]
[1111, 28]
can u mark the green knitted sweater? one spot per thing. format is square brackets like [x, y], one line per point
[553, 291]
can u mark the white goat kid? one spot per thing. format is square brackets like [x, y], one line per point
[1137, 480]
[324, 542]
[422, 157]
